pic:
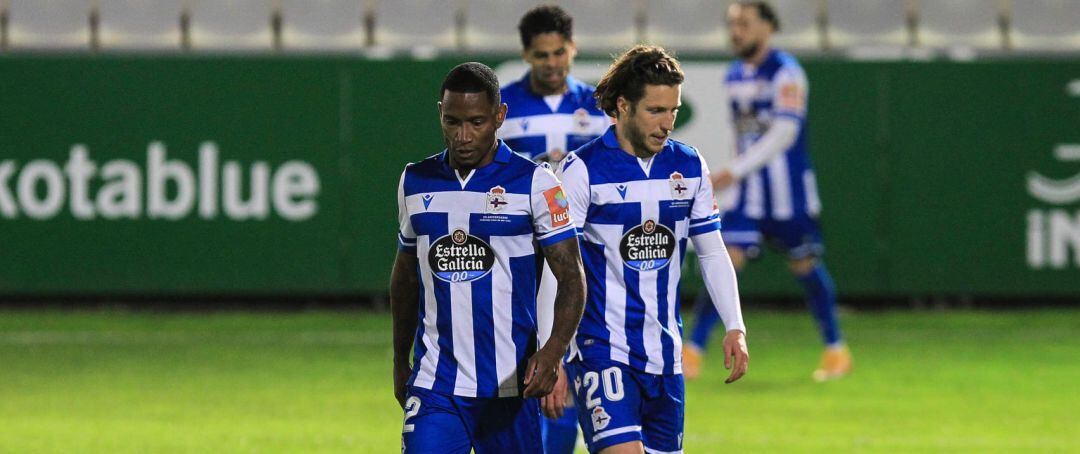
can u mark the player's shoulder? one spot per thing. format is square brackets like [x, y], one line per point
[686, 156]
[584, 95]
[786, 63]
[418, 175]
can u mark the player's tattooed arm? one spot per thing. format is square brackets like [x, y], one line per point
[404, 305]
[564, 258]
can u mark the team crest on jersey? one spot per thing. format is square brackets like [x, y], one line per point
[496, 199]
[460, 257]
[600, 418]
[679, 189]
[581, 120]
[558, 206]
[647, 247]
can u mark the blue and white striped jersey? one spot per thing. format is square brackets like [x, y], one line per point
[474, 240]
[534, 127]
[634, 219]
[785, 186]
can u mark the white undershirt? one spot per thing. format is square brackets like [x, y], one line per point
[553, 101]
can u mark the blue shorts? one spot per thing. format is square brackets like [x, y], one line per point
[446, 424]
[799, 237]
[618, 404]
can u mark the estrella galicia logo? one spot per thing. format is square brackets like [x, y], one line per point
[460, 257]
[649, 246]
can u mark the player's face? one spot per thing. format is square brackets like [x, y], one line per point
[648, 123]
[550, 55]
[469, 122]
[748, 31]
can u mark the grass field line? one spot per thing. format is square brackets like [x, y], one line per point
[96, 337]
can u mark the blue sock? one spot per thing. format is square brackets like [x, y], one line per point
[706, 320]
[821, 297]
[560, 435]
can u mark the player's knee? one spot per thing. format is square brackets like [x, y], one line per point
[630, 447]
[738, 257]
[802, 267]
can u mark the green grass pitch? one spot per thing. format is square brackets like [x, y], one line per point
[117, 382]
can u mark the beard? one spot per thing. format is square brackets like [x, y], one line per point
[748, 50]
[637, 141]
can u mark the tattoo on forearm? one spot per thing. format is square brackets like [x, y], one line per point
[564, 258]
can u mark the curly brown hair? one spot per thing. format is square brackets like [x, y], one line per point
[641, 65]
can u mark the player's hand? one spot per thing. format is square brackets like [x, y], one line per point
[542, 372]
[722, 180]
[401, 378]
[736, 357]
[553, 404]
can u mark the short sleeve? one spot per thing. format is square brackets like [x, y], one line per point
[790, 90]
[550, 209]
[575, 179]
[406, 234]
[704, 214]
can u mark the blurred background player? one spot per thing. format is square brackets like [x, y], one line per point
[774, 193]
[468, 218]
[636, 198]
[550, 113]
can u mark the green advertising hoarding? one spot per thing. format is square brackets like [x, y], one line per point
[277, 175]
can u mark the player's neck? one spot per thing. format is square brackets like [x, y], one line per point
[628, 147]
[542, 91]
[762, 53]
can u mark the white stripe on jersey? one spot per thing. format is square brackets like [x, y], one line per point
[755, 197]
[461, 313]
[647, 281]
[780, 188]
[674, 274]
[813, 203]
[563, 123]
[503, 315]
[425, 377]
[639, 191]
[614, 286]
[461, 201]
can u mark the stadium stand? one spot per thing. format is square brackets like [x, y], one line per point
[945, 23]
[139, 24]
[231, 25]
[323, 25]
[1046, 25]
[40, 25]
[427, 27]
[695, 25]
[799, 24]
[600, 28]
[867, 23]
[417, 24]
[491, 25]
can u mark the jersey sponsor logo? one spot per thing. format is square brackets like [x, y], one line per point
[648, 246]
[558, 206]
[791, 97]
[600, 419]
[679, 189]
[460, 257]
[427, 200]
[496, 199]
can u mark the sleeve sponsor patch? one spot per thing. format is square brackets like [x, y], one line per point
[791, 97]
[558, 206]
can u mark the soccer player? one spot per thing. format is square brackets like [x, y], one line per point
[636, 197]
[463, 286]
[774, 189]
[549, 114]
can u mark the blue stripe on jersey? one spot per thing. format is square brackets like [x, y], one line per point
[524, 309]
[592, 257]
[484, 330]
